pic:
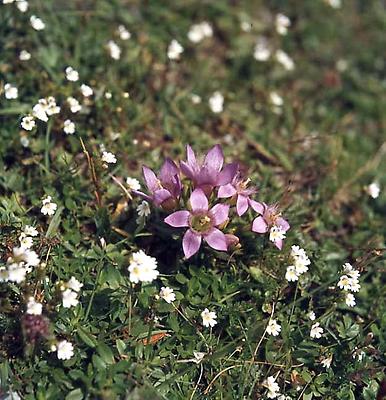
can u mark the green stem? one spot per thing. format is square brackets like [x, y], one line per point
[47, 147]
[99, 270]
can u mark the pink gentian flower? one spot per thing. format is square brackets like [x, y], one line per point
[238, 189]
[208, 174]
[270, 220]
[201, 223]
[165, 190]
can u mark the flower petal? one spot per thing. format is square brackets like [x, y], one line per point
[190, 156]
[258, 207]
[227, 174]
[191, 243]
[187, 170]
[143, 195]
[198, 200]
[214, 159]
[151, 179]
[226, 191]
[216, 239]
[259, 225]
[178, 219]
[160, 196]
[219, 213]
[168, 170]
[279, 243]
[283, 224]
[241, 205]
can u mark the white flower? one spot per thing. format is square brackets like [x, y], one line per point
[39, 111]
[123, 33]
[69, 298]
[208, 318]
[65, 350]
[291, 274]
[373, 190]
[272, 386]
[350, 300]
[282, 24]
[8, 1]
[133, 184]
[74, 284]
[22, 5]
[175, 50]
[276, 99]
[311, 316]
[326, 362]
[285, 60]
[273, 327]
[23, 256]
[334, 3]
[68, 127]
[72, 74]
[24, 141]
[24, 55]
[37, 23]
[52, 108]
[200, 31]
[316, 331]
[10, 91]
[74, 104]
[30, 231]
[108, 95]
[355, 286]
[26, 242]
[108, 157]
[86, 90]
[276, 233]
[48, 207]
[345, 282]
[216, 102]
[114, 50]
[245, 26]
[196, 99]
[142, 268]
[28, 123]
[262, 51]
[143, 209]
[16, 272]
[34, 307]
[167, 294]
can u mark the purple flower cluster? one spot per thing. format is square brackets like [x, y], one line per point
[209, 181]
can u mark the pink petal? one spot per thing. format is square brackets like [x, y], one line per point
[226, 191]
[216, 239]
[190, 156]
[187, 170]
[241, 205]
[151, 179]
[258, 207]
[219, 213]
[191, 243]
[259, 225]
[232, 240]
[283, 224]
[160, 196]
[178, 219]
[279, 243]
[214, 159]
[168, 170]
[227, 174]
[198, 200]
[143, 195]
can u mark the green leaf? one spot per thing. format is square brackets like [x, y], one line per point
[75, 394]
[55, 222]
[106, 353]
[86, 337]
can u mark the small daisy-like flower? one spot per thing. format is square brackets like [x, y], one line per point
[65, 350]
[37, 23]
[52, 107]
[10, 91]
[16, 272]
[24, 55]
[30, 231]
[216, 102]
[311, 316]
[72, 74]
[22, 5]
[272, 386]
[74, 104]
[74, 284]
[282, 24]
[114, 50]
[326, 362]
[86, 90]
[350, 300]
[123, 33]
[39, 111]
[34, 307]
[373, 190]
[345, 282]
[291, 274]
[316, 331]
[208, 318]
[26, 242]
[200, 31]
[142, 268]
[276, 233]
[273, 327]
[133, 184]
[143, 209]
[167, 294]
[68, 127]
[174, 50]
[69, 298]
[285, 60]
[262, 51]
[108, 157]
[28, 123]
[48, 207]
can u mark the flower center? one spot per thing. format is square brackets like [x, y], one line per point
[200, 222]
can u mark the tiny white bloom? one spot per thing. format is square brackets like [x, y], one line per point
[262, 51]
[28, 123]
[86, 90]
[30, 231]
[334, 3]
[345, 282]
[216, 102]
[74, 284]
[208, 318]
[291, 274]
[24, 55]
[326, 362]
[276, 99]
[34, 307]
[273, 327]
[39, 111]
[26, 242]
[74, 104]
[282, 24]
[143, 209]
[167, 294]
[285, 60]
[373, 190]
[108, 95]
[316, 331]
[272, 386]
[108, 157]
[72, 74]
[52, 107]
[246, 26]
[142, 268]
[65, 350]
[311, 316]
[200, 31]
[123, 33]
[16, 272]
[114, 50]
[350, 300]
[68, 127]
[22, 5]
[133, 184]
[276, 233]
[69, 298]
[175, 50]
[48, 207]
[10, 91]
[196, 99]
[37, 23]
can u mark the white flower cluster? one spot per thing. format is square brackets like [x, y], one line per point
[300, 264]
[142, 268]
[72, 74]
[133, 184]
[114, 50]
[108, 158]
[349, 282]
[263, 52]
[44, 108]
[123, 33]
[70, 292]
[272, 386]
[282, 23]
[74, 104]
[10, 91]
[48, 206]
[174, 50]
[34, 307]
[22, 5]
[200, 31]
